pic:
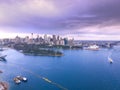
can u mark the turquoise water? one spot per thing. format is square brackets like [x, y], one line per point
[76, 70]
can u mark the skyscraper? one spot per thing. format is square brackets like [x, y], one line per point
[54, 39]
[45, 37]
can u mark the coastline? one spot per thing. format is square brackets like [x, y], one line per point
[32, 54]
[4, 85]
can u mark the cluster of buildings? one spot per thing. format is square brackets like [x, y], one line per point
[45, 40]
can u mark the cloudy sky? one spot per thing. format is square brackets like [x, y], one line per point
[81, 19]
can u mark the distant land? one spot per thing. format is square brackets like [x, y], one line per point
[51, 46]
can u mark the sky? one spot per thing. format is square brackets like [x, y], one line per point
[81, 19]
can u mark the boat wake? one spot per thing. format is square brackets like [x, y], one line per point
[110, 59]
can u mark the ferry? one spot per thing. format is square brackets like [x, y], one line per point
[46, 79]
[93, 47]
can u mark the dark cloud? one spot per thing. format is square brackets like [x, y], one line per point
[104, 13]
[82, 14]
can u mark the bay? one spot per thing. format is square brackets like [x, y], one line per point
[76, 70]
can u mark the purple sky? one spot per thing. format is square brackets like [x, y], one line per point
[82, 19]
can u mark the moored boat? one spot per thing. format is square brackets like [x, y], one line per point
[18, 79]
[1, 71]
[3, 56]
[24, 79]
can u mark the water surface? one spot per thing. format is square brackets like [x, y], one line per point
[76, 70]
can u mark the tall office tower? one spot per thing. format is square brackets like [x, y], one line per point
[27, 39]
[71, 42]
[54, 39]
[37, 38]
[45, 37]
[58, 37]
[31, 35]
[66, 41]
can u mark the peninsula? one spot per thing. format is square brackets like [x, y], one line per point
[36, 50]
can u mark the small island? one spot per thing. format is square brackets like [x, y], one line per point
[36, 50]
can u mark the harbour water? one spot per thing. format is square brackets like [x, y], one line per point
[76, 70]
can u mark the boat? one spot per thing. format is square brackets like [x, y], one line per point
[16, 80]
[24, 79]
[110, 60]
[93, 47]
[1, 49]
[21, 78]
[46, 79]
[3, 56]
[1, 71]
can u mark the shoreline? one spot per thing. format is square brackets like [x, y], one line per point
[32, 54]
[4, 85]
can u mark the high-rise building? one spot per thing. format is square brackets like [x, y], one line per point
[49, 39]
[66, 41]
[31, 35]
[37, 39]
[31, 41]
[17, 39]
[71, 42]
[58, 37]
[54, 39]
[38, 36]
[62, 42]
[45, 37]
[26, 39]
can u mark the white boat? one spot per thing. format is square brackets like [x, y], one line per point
[17, 81]
[21, 78]
[3, 56]
[110, 60]
[24, 79]
[93, 47]
[1, 49]
[46, 79]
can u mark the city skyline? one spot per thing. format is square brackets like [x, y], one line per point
[78, 19]
[69, 36]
